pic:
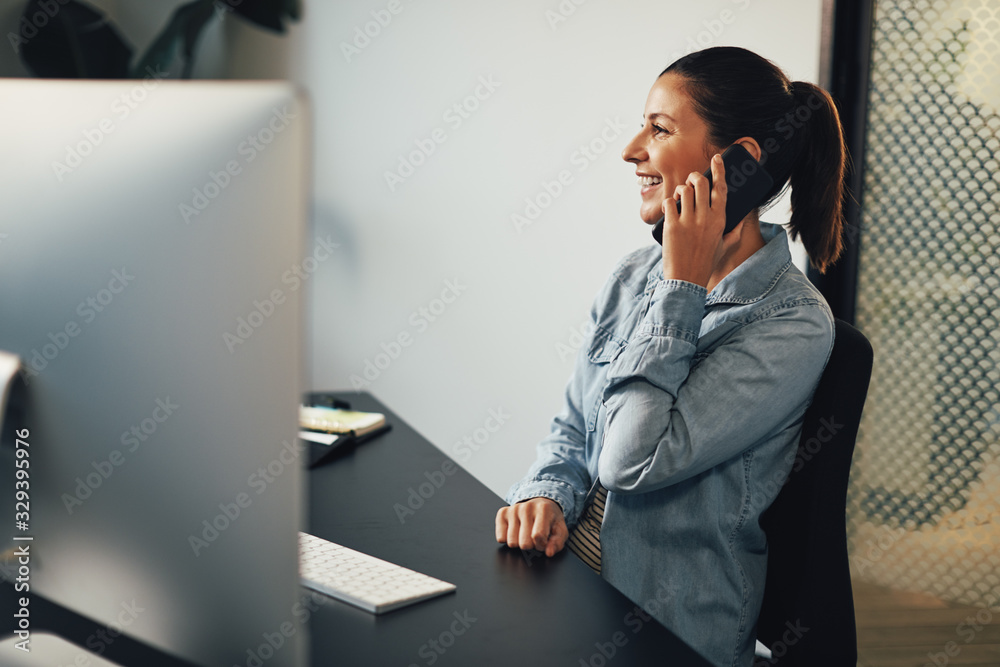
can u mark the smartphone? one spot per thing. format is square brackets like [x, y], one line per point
[748, 183]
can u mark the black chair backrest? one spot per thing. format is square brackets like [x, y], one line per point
[807, 617]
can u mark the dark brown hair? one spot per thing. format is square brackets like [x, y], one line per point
[740, 94]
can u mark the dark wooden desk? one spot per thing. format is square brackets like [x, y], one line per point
[399, 498]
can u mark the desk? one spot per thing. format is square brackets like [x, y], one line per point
[527, 611]
[509, 608]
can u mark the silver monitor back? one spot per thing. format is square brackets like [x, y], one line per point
[148, 236]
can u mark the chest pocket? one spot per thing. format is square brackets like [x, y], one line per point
[603, 349]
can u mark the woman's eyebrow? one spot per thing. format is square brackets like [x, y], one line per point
[654, 116]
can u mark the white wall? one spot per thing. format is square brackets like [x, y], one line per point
[505, 343]
[500, 345]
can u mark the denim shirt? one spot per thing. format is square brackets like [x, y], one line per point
[688, 407]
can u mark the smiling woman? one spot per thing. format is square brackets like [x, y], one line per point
[688, 395]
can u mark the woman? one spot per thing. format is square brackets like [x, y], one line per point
[686, 404]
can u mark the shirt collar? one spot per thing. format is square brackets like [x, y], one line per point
[754, 278]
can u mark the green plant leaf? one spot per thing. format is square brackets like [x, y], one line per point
[69, 41]
[270, 14]
[180, 34]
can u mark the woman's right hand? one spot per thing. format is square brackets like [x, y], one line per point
[694, 246]
[537, 523]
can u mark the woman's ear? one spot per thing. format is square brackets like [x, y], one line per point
[751, 145]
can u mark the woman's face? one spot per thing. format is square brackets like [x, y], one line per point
[672, 143]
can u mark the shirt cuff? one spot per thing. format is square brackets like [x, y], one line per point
[666, 339]
[676, 308]
[551, 488]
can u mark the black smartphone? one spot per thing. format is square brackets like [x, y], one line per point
[748, 183]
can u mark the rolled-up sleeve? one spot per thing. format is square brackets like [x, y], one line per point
[669, 418]
[560, 471]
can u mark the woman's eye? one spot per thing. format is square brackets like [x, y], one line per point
[659, 130]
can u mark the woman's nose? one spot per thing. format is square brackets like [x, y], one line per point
[633, 150]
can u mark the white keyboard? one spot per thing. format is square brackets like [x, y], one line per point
[364, 581]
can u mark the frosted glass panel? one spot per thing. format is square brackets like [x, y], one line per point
[923, 505]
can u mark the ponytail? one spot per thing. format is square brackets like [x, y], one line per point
[817, 176]
[740, 94]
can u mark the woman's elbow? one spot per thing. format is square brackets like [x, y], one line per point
[617, 477]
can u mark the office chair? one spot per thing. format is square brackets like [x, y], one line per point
[807, 617]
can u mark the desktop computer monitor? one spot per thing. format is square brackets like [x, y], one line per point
[148, 249]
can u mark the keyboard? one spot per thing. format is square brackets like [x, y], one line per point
[364, 581]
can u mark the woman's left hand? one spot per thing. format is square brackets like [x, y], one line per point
[693, 244]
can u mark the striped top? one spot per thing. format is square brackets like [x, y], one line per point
[585, 540]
